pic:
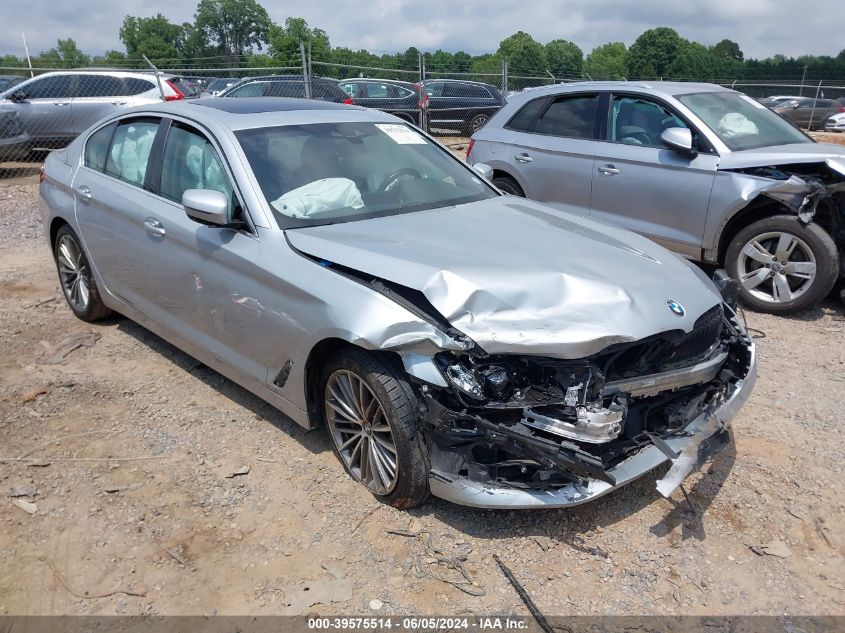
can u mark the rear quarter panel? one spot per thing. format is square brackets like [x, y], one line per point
[56, 193]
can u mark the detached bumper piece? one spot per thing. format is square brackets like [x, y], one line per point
[492, 458]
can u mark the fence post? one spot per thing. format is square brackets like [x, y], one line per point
[813, 111]
[305, 78]
[505, 78]
[422, 99]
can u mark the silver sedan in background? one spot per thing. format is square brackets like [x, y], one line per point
[353, 273]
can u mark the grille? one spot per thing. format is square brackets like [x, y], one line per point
[664, 351]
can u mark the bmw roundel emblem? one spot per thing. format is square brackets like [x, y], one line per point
[676, 308]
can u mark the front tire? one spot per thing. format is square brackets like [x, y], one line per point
[782, 266]
[371, 412]
[508, 185]
[76, 278]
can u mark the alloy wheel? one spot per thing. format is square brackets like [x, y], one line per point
[361, 432]
[776, 267]
[478, 123]
[73, 273]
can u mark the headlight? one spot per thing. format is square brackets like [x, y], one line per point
[465, 380]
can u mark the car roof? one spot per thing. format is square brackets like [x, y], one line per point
[285, 78]
[254, 112]
[457, 81]
[106, 72]
[665, 88]
[399, 82]
[259, 105]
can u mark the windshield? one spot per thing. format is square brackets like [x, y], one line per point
[324, 173]
[741, 122]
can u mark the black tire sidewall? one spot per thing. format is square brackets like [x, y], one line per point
[819, 241]
[508, 185]
[402, 410]
[95, 309]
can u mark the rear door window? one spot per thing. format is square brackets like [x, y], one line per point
[570, 117]
[252, 89]
[130, 150]
[295, 89]
[99, 86]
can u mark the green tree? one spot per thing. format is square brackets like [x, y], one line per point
[66, 54]
[156, 37]
[697, 62]
[608, 61]
[728, 49]
[235, 26]
[524, 54]
[651, 54]
[284, 42]
[565, 58]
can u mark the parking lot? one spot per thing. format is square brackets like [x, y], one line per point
[138, 481]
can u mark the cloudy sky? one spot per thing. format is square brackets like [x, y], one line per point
[762, 27]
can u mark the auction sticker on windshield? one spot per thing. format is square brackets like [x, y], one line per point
[401, 134]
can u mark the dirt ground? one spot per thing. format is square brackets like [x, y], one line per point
[135, 495]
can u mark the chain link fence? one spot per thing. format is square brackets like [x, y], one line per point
[48, 110]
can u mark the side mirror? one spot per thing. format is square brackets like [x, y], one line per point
[484, 170]
[207, 206]
[679, 139]
[19, 96]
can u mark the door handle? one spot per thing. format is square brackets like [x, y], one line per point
[608, 170]
[61, 103]
[84, 192]
[523, 158]
[154, 227]
[118, 103]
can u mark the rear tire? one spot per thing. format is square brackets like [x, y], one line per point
[371, 413]
[508, 185]
[781, 265]
[76, 278]
[477, 122]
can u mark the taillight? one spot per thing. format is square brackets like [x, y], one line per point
[178, 92]
[841, 109]
[41, 175]
[348, 101]
[470, 146]
[422, 101]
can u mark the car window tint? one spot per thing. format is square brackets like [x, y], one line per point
[527, 117]
[465, 90]
[350, 89]
[99, 86]
[638, 121]
[401, 92]
[434, 89]
[377, 91]
[97, 147]
[252, 89]
[295, 89]
[130, 151]
[56, 87]
[136, 86]
[570, 117]
[190, 162]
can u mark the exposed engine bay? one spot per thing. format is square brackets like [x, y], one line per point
[542, 423]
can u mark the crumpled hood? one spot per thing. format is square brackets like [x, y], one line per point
[829, 153]
[519, 277]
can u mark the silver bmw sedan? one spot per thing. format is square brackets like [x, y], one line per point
[350, 271]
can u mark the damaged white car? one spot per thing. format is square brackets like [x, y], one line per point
[702, 170]
[353, 273]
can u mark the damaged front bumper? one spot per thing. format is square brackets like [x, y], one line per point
[686, 448]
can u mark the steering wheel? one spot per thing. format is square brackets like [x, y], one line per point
[396, 175]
